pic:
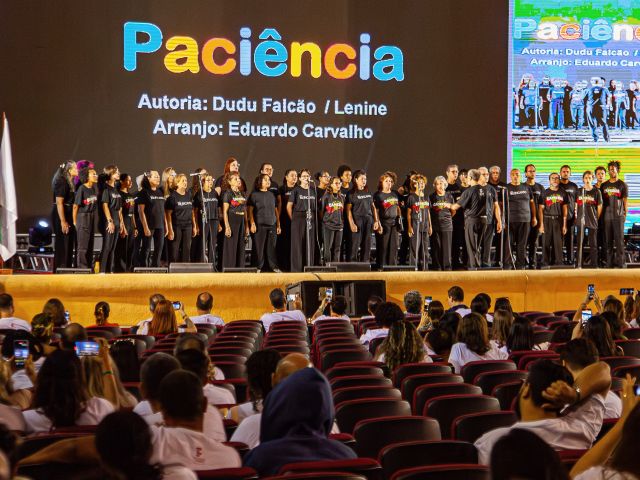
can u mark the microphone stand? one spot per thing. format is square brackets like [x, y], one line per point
[308, 238]
[581, 236]
[418, 234]
[204, 221]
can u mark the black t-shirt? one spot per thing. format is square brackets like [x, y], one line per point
[388, 207]
[218, 183]
[264, 207]
[274, 188]
[498, 187]
[237, 202]
[474, 202]
[571, 189]
[613, 194]
[441, 219]
[62, 189]
[333, 208]
[519, 201]
[86, 199]
[553, 202]
[153, 201]
[361, 202]
[345, 190]
[112, 197]
[419, 208]
[303, 199]
[536, 192]
[456, 190]
[181, 207]
[128, 206]
[211, 202]
[285, 193]
[590, 200]
[492, 197]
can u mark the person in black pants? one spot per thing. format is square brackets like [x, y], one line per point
[362, 217]
[301, 208]
[418, 222]
[387, 204]
[262, 212]
[236, 230]
[521, 216]
[84, 216]
[196, 185]
[111, 223]
[458, 248]
[180, 220]
[331, 214]
[493, 221]
[534, 233]
[474, 202]
[442, 224]
[601, 174]
[283, 244]
[571, 189]
[152, 220]
[615, 194]
[62, 215]
[588, 211]
[552, 220]
[124, 256]
[212, 226]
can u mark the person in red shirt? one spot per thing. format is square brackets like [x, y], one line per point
[101, 312]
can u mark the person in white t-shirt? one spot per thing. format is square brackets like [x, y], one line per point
[7, 320]
[204, 304]
[280, 312]
[198, 362]
[143, 325]
[473, 343]
[193, 340]
[548, 388]
[337, 307]
[455, 298]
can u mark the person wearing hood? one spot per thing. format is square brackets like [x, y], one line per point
[296, 421]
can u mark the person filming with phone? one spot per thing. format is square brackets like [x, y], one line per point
[280, 313]
[337, 307]
[164, 320]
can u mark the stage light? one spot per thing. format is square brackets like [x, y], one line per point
[40, 236]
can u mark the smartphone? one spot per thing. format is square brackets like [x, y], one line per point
[586, 315]
[591, 290]
[177, 305]
[636, 390]
[627, 291]
[66, 315]
[427, 301]
[87, 349]
[329, 294]
[20, 352]
[291, 297]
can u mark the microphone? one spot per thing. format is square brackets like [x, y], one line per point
[311, 180]
[195, 174]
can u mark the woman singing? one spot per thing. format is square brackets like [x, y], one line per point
[230, 166]
[84, 216]
[212, 224]
[442, 225]
[362, 216]
[418, 222]
[181, 225]
[112, 224]
[301, 208]
[124, 255]
[331, 211]
[233, 212]
[265, 225]
[283, 246]
[62, 215]
[386, 203]
[196, 242]
[152, 220]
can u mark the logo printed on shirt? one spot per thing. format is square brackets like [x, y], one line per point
[421, 205]
[438, 206]
[389, 202]
[553, 198]
[612, 192]
[335, 206]
[589, 200]
[90, 200]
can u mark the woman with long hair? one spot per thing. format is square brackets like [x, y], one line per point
[180, 219]
[124, 353]
[55, 310]
[502, 321]
[168, 181]
[402, 345]
[472, 343]
[234, 206]
[283, 245]
[520, 336]
[150, 202]
[124, 254]
[96, 383]
[84, 217]
[112, 223]
[331, 216]
[303, 236]
[211, 211]
[617, 322]
[597, 330]
[442, 224]
[62, 214]
[164, 321]
[262, 213]
[387, 204]
[230, 166]
[362, 216]
[101, 313]
[418, 222]
[431, 316]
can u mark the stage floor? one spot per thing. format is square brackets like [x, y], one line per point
[245, 295]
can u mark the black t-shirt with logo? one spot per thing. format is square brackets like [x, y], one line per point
[274, 189]
[571, 190]
[536, 192]
[553, 202]
[211, 202]
[441, 219]
[519, 198]
[492, 197]
[153, 201]
[237, 202]
[388, 207]
[285, 193]
[333, 208]
[64, 190]
[86, 199]
[181, 207]
[613, 194]
[419, 208]
[264, 207]
[361, 202]
[589, 200]
[113, 198]
[303, 199]
[455, 190]
[474, 202]
[128, 206]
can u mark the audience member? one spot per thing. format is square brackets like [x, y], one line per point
[23, 378]
[386, 314]
[9, 451]
[455, 298]
[472, 343]
[598, 331]
[337, 308]
[616, 317]
[297, 419]
[402, 345]
[439, 341]
[630, 311]
[372, 304]
[125, 356]
[72, 333]
[10, 406]
[204, 304]
[164, 321]
[521, 337]
[153, 302]
[280, 313]
[42, 331]
[481, 305]
[450, 321]
[503, 303]
[413, 304]
[7, 320]
[195, 340]
[502, 321]
[55, 310]
[101, 311]
[434, 313]
[197, 362]
[95, 380]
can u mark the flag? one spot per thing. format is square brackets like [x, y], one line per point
[8, 203]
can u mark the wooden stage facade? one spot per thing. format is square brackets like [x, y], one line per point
[245, 295]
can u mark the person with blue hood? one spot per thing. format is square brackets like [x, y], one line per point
[296, 421]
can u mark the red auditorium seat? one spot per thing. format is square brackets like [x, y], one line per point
[349, 413]
[356, 393]
[377, 433]
[444, 472]
[570, 457]
[408, 369]
[242, 473]
[360, 381]
[542, 336]
[355, 370]
[518, 355]
[425, 393]
[632, 333]
[447, 408]
[331, 359]
[410, 384]
[149, 340]
[546, 320]
[367, 467]
[506, 393]
[621, 372]
[93, 333]
[232, 369]
[631, 348]
[622, 361]
[405, 455]
[565, 313]
[319, 476]
[271, 343]
[472, 426]
[222, 357]
[525, 362]
[487, 381]
[472, 369]
[243, 352]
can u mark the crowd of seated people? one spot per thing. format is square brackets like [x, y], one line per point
[206, 395]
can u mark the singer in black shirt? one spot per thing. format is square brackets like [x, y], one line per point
[181, 225]
[418, 222]
[534, 233]
[301, 208]
[615, 194]
[124, 255]
[332, 216]
[588, 211]
[111, 225]
[150, 202]
[388, 207]
[442, 224]
[234, 206]
[283, 244]
[521, 216]
[84, 216]
[362, 218]
[552, 220]
[62, 215]
[571, 189]
[262, 212]
[211, 226]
